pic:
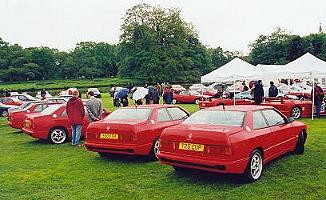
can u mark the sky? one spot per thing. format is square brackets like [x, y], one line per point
[230, 24]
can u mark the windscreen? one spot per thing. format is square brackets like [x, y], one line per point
[49, 110]
[217, 117]
[130, 113]
[25, 106]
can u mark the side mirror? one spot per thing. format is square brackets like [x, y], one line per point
[290, 119]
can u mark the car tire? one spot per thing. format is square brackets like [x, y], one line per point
[58, 135]
[254, 168]
[4, 113]
[174, 101]
[196, 101]
[296, 112]
[299, 148]
[155, 149]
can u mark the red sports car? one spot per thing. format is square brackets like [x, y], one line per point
[289, 107]
[237, 140]
[133, 130]
[16, 118]
[52, 124]
[10, 101]
[189, 96]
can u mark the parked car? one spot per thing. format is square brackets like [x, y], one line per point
[133, 130]
[52, 124]
[289, 107]
[237, 140]
[56, 100]
[4, 109]
[189, 96]
[177, 88]
[198, 87]
[16, 118]
[11, 101]
[21, 107]
[24, 97]
[97, 93]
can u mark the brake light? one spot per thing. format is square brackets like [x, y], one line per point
[220, 150]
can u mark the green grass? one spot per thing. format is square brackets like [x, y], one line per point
[32, 169]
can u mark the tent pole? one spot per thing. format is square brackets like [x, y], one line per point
[313, 98]
[233, 91]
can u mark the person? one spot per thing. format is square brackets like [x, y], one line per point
[94, 107]
[244, 87]
[6, 93]
[43, 94]
[272, 91]
[156, 95]
[75, 112]
[258, 92]
[318, 98]
[167, 95]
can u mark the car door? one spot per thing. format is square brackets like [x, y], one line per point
[183, 96]
[282, 138]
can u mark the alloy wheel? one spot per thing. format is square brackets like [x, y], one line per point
[256, 165]
[58, 136]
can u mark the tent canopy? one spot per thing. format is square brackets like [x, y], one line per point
[271, 68]
[235, 69]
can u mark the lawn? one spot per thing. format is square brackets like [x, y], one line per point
[32, 169]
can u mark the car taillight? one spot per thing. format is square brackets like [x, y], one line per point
[219, 150]
[167, 146]
[128, 138]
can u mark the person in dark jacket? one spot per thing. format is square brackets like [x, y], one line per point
[156, 96]
[318, 98]
[167, 95]
[272, 91]
[244, 87]
[75, 112]
[258, 93]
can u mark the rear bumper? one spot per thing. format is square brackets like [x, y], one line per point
[36, 134]
[15, 124]
[206, 164]
[119, 148]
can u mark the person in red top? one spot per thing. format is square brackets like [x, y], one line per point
[76, 113]
[318, 98]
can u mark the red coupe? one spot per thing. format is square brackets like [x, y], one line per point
[16, 118]
[52, 124]
[289, 107]
[189, 96]
[133, 130]
[10, 101]
[237, 140]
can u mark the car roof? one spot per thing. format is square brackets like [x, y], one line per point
[153, 106]
[244, 108]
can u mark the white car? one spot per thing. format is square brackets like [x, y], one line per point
[177, 88]
[23, 97]
[198, 87]
[97, 93]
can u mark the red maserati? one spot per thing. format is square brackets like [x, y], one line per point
[133, 130]
[237, 140]
[52, 124]
[189, 96]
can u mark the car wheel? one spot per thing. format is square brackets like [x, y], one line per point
[58, 135]
[174, 101]
[299, 148]
[155, 149]
[5, 113]
[197, 101]
[296, 112]
[254, 168]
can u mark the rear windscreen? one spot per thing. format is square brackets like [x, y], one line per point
[130, 113]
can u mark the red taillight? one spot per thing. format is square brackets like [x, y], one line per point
[167, 146]
[219, 150]
[128, 138]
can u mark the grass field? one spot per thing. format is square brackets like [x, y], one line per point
[32, 169]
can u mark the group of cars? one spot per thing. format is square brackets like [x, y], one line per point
[223, 139]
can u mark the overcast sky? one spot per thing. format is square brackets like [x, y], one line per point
[231, 24]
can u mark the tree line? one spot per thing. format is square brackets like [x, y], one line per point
[155, 45]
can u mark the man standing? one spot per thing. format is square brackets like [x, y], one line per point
[94, 108]
[244, 87]
[272, 91]
[318, 98]
[76, 113]
[258, 92]
[167, 95]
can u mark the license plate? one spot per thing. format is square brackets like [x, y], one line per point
[109, 136]
[191, 147]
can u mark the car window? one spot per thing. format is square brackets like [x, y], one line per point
[163, 115]
[129, 113]
[39, 108]
[177, 113]
[217, 117]
[64, 113]
[259, 121]
[185, 92]
[273, 118]
[22, 98]
[51, 109]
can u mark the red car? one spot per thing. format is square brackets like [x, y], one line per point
[16, 118]
[289, 107]
[52, 124]
[10, 101]
[133, 130]
[232, 139]
[189, 96]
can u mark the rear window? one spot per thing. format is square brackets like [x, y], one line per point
[217, 117]
[51, 109]
[130, 113]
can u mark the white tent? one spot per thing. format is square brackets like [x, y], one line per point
[235, 69]
[271, 68]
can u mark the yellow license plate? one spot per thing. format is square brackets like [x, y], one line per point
[109, 136]
[191, 147]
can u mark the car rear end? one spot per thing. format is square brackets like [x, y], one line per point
[34, 126]
[16, 119]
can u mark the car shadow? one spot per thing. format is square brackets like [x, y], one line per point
[38, 142]
[124, 158]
